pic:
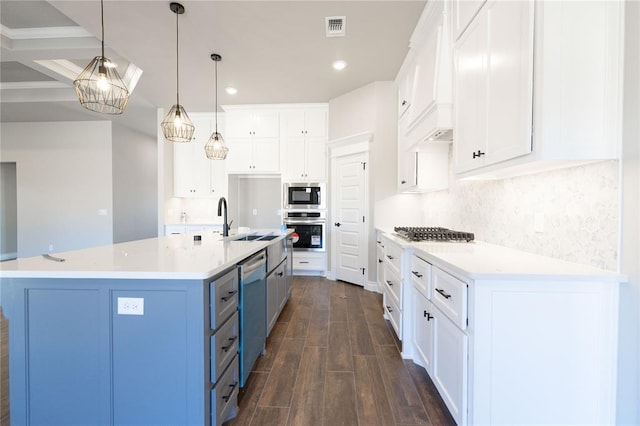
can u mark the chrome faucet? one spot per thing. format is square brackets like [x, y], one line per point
[225, 225]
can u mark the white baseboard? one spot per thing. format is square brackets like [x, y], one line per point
[372, 286]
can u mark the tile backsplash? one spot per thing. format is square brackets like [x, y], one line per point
[576, 209]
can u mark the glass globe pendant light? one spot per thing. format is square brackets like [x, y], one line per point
[215, 147]
[99, 86]
[177, 126]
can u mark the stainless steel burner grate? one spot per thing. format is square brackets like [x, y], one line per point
[423, 233]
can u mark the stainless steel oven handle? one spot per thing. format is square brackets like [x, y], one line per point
[304, 222]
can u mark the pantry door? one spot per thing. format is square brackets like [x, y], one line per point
[349, 220]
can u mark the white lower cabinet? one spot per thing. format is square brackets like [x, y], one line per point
[309, 263]
[505, 348]
[277, 294]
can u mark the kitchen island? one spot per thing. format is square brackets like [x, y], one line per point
[144, 332]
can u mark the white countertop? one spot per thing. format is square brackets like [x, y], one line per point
[170, 257]
[483, 261]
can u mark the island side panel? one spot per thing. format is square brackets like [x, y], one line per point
[75, 360]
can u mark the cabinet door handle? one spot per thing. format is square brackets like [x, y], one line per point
[417, 274]
[280, 274]
[404, 102]
[233, 385]
[402, 182]
[228, 296]
[390, 282]
[338, 224]
[389, 309]
[390, 257]
[428, 316]
[478, 154]
[231, 341]
[379, 260]
[443, 293]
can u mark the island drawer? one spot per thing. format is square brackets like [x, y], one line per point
[224, 395]
[224, 346]
[450, 295]
[223, 295]
[421, 275]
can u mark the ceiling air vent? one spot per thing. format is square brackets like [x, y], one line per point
[335, 26]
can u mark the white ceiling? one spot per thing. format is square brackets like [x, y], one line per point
[272, 52]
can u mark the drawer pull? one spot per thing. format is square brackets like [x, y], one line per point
[231, 341]
[280, 274]
[389, 309]
[228, 296]
[417, 274]
[443, 293]
[226, 398]
[390, 282]
[427, 315]
[304, 261]
[390, 257]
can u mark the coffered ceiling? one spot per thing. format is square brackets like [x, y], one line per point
[272, 52]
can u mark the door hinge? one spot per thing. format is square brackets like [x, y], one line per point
[362, 271]
[364, 165]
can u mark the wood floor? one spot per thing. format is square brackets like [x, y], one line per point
[332, 360]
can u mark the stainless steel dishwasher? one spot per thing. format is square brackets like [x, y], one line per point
[253, 311]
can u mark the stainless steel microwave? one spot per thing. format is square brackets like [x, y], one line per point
[304, 196]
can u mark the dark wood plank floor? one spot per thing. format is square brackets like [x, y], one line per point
[332, 360]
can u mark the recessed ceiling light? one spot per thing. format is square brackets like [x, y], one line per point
[231, 90]
[339, 65]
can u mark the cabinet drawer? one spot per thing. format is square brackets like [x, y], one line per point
[224, 396]
[394, 313]
[421, 276]
[310, 263]
[223, 295]
[393, 255]
[393, 284]
[224, 346]
[450, 295]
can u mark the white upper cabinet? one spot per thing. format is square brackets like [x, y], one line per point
[253, 138]
[494, 93]
[425, 80]
[525, 104]
[194, 175]
[304, 143]
[463, 12]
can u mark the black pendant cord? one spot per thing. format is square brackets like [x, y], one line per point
[216, 97]
[102, 24]
[177, 66]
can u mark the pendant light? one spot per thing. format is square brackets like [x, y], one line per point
[99, 87]
[176, 126]
[215, 147]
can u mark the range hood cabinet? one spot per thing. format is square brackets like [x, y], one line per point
[429, 117]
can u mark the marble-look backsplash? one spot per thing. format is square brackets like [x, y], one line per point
[579, 205]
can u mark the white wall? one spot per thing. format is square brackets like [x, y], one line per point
[135, 180]
[64, 178]
[370, 108]
[8, 212]
[629, 339]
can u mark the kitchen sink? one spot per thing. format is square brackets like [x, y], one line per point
[254, 237]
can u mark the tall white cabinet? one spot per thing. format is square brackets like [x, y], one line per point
[304, 143]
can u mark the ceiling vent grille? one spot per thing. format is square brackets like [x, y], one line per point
[335, 26]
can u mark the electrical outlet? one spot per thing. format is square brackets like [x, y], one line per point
[130, 306]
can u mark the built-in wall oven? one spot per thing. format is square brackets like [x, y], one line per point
[309, 229]
[304, 196]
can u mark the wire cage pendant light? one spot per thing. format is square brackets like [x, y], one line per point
[177, 126]
[215, 148]
[99, 86]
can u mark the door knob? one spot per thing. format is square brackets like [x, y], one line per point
[337, 224]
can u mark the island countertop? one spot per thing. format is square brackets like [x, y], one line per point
[168, 257]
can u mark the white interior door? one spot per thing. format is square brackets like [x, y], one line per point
[349, 217]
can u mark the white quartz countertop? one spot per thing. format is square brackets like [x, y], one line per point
[170, 257]
[483, 261]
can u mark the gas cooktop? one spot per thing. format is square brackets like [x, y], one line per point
[423, 233]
